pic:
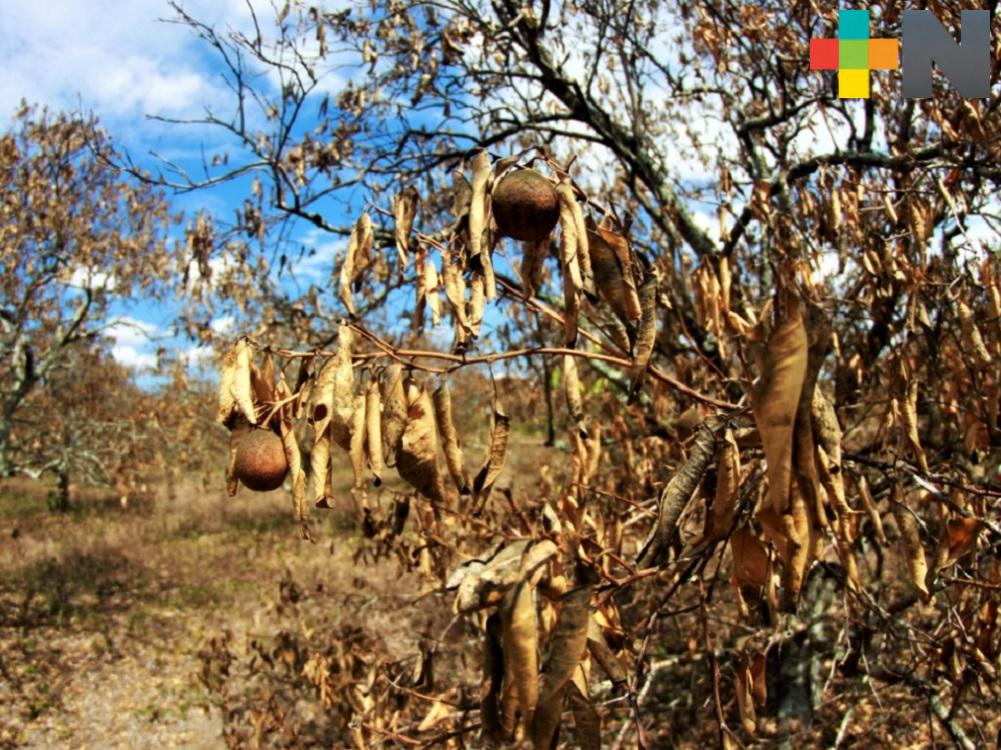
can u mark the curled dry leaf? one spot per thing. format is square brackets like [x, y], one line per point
[569, 239]
[750, 559]
[356, 260]
[609, 279]
[497, 453]
[394, 410]
[236, 393]
[483, 583]
[646, 336]
[442, 398]
[571, 388]
[520, 644]
[404, 211]
[569, 644]
[775, 400]
[417, 453]
[479, 207]
[493, 677]
[909, 412]
[373, 431]
[624, 254]
[357, 444]
[477, 301]
[587, 724]
[601, 652]
[296, 475]
[869, 504]
[724, 504]
[910, 534]
[532, 264]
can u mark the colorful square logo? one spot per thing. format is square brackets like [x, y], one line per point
[853, 54]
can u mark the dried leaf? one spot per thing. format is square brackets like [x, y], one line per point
[236, 394]
[356, 260]
[602, 653]
[494, 464]
[357, 444]
[775, 400]
[569, 240]
[532, 264]
[569, 643]
[870, 508]
[417, 452]
[373, 431]
[724, 504]
[914, 551]
[587, 724]
[296, 475]
[750, 558]
[519, 641]
[442, 397]
[646, 336]
[623, 252]
[571, 388]
[479, 207]
[493, 677]
[908, 409]
[404, 211]
[394, 410]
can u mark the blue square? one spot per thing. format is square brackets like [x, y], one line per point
[853, 24]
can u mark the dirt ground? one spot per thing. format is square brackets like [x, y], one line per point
[103, 610]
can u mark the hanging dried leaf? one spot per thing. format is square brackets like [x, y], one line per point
[477, 301]
[750, 558]
[775, 400]
[236, 393]
[493, 677]
[519, 641]
[296, 475]
[646, 336]
[624, 254]
[569, 643]
[442, 397]
[373, 431]
[479, 207]
[417, 453]
[724, 504]
[908, 410]
[569, 240]
[608, 278]
[431, 283]
[404, 211]
[602, 653]
[483, 583]
[356, 260]
[587, 724]
[959, 537]
[357, 444]
[571, 388]
[870, 508]
[532, 264]
[394, 410]
[492, 467]
[910, 534]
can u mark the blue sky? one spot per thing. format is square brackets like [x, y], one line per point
[119, 61]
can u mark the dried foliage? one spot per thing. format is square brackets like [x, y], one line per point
[800, 400]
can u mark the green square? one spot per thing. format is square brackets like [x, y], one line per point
[853, 54]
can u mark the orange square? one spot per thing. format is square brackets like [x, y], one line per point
[884, 54]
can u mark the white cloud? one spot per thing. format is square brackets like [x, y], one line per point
[130, 356]
[119, 61]
[223, 324]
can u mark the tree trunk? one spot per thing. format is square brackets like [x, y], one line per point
[61, 501]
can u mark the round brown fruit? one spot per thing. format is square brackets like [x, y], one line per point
[260, 460]
[525, 206]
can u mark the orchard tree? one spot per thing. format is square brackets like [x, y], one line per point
[776, 315]
[76, 236]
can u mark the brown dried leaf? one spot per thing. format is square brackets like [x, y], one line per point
[532, 263]
[775, 400]
[494, 464]
[870, 508]
[646, 335]
[910, 534]
[357, 444]
[571, 388]
[394, 410]
[724, 504]
[296, 475]
[442, 397]
[236, 392]
[356, 260]
[520, 643]
[373, 431]
[624, 254]
[404, 211]
[587, 724]
[479, 207]
[569, 241]
[569, 643]
[908, 410]
[417, 452]
[750, 558]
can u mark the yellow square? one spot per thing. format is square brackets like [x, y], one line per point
[853, 84]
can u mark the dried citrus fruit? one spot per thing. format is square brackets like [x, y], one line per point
[260, 460]
[525, 205]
